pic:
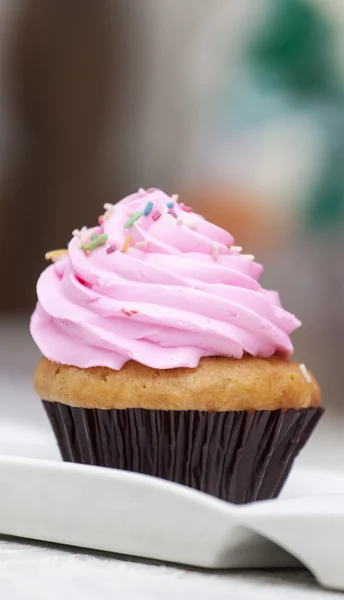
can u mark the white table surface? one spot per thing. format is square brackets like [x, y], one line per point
[32, 570]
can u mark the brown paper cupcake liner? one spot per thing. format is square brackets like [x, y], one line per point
[236, 455]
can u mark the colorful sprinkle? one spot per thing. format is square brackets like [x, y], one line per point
[216, 249]
[305, 373]
[109, 210]
[190, 225]
[142, 191]
[235, 248]
[79, 233]
[148, 209]
[56, 254]
[143, 244]
[126, 244]
[172, 212]
[187, 209]
[175, 197]
[248, 256]
[132, 219]
[170, 204]
[129, 313]
[95, 242]
[179, 220]
[101, 220]
[156, 215]
[111, 249]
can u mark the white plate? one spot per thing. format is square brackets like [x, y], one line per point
[133, 514]
[45, 499]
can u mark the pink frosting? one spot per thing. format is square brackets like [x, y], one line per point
[184, 295]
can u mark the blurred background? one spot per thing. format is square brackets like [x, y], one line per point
[237, 105]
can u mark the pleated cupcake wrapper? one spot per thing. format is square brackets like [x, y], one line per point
[237, 456]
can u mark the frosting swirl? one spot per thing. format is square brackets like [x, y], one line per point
[180, 291]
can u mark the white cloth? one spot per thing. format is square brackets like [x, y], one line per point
[32, 571]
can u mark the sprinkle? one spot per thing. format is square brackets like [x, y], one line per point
[305, 373]
[110, 208]
[111, 249]
[129, 313]
[248, 256]
[170, 204]
[126, 244]
[142, 191]
[190, 225]
[142, 244]
[216, 249]
[172, 212]
[148, 209]
[101, 220]
[175, 197]
[95, 242]
[132, 219]
[235, 248]
[186, 208]
[156, 215]
[179, 220]
[126, 312]
[77, 233]
[56, 254]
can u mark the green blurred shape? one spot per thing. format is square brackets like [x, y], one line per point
[294, 48]
[293, 53]
[325, 207]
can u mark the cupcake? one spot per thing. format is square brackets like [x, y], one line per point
[163, 355]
